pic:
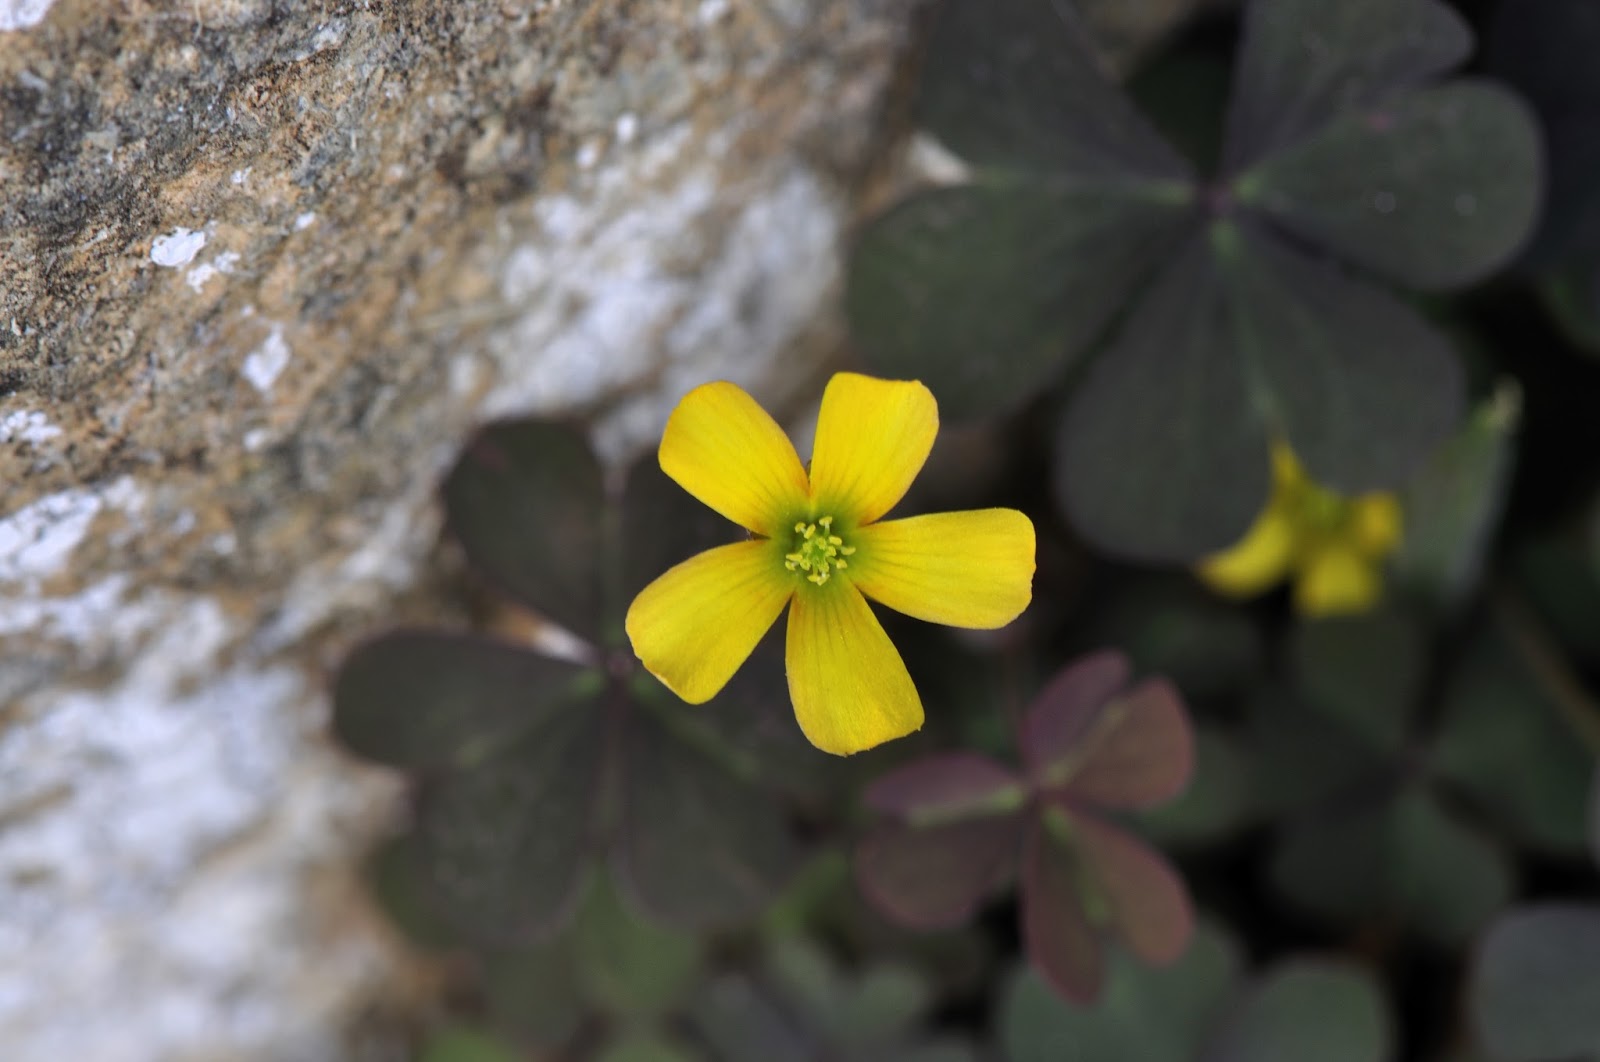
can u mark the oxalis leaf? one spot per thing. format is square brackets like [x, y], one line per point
[1162, 454]
[1535, 984]
[1202, 1009]
[531, 768]
[1337, 140]
[960, 824]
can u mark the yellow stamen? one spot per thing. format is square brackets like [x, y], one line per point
[817, 551]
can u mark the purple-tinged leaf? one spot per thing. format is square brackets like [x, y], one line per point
[1061, 943]
[936, 877]
[421, 699]
[1143, 896]
[1305, 61]
[940, 788]
[1139, 752]
[525, 500]
[506, 844]
[1536, 984]
[1066, 708]
[698, 845]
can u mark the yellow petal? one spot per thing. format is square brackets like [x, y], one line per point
[1257, 562]
[872, 439]
[1287, 471]
[971, 569]
[850, 688]
[724, 449]
[1336, 580]
[1377, 523]
[697, 623]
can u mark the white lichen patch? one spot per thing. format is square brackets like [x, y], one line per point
[221, 264]
[20, 14]
[31, 427]
[266, 363]
[305, 221]
[37, 540]
[177, 248]
[606, 301]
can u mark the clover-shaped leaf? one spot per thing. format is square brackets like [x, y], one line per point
[532, 770]
[1535, 984]
[1202, 1009]
[1090, 744]
[799, 1007]
[982, 291]
[1367, 830]
[1339, 144]
[1504, 745]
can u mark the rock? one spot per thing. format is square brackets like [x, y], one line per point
[265, 265]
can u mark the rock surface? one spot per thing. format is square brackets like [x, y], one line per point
[265, 264]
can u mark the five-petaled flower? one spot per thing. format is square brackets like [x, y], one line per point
[1332, 546]
[817, 546]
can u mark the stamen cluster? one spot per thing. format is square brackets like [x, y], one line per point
[817, 551]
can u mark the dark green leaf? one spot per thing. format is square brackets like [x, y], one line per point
[1406, 860]
[1452, 508]
[531, 993]
[803, 1008]
[1162, 455]
[1502, 741]
[462, 1044]
[627, 966]
[1013, 85]
[739, 1022]
[1536, 984]
[1219, 801]
[1172, 628]
[1305, 759]
[1306, 61]
[397, 877]
[1361, 386]
[985, 292]
[1434, 189]
[507, 843]
[525, 500]
[648, 1047]
[698, 845]
[1310, 1011]
[423, 699]
[1364, 671]
[1145, 1015]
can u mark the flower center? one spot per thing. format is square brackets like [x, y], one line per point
[1321, 509]
[817, 551]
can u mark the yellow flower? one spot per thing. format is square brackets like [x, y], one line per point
[1332, 546]
[817, 546]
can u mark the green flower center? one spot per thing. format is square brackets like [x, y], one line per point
[1321, 509]
[817, 551]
